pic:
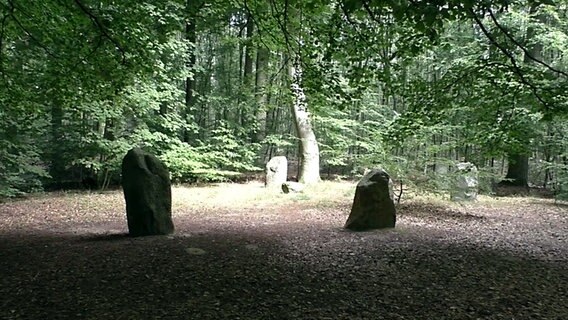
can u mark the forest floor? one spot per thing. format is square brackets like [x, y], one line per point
[243, 252]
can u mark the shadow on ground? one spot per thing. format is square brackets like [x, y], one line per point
[272, 273]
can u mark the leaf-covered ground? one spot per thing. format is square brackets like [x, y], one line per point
[242, 252]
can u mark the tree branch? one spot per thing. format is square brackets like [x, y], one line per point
[525, 51]
[95, 20]
[516, 68]
[275, 13]
[30, 35]
[259, 27]
[386, 58]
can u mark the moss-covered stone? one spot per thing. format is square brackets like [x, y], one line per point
[147, 192]
[373, 206]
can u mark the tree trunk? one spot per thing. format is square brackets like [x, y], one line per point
[261, 94]
[57, 165]
[249, 58]
[246, 114]
[518, 170]
[191, 37]
[309, 149]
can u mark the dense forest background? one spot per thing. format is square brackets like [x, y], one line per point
[216, 88]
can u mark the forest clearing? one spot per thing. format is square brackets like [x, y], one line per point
[441, 99]
[241, 251]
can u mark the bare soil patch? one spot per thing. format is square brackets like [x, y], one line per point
[242, 252]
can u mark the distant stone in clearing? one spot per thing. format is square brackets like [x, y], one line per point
[373, 206]
[276, 172]
[148, 194]
[195, 251]
[466, 182]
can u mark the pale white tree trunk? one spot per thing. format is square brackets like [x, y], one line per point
[309, 149]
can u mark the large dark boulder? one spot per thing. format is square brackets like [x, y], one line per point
[373, 206]
[148, 194]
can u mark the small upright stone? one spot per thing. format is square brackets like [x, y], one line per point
[148, 194]
[466, 182]
[373, 206]
[276, 172]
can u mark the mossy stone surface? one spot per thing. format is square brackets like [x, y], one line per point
[373, 206]
[148, 194]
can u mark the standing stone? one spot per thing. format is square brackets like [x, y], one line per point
[441, 168]
[373, 206]
[465, 183]
[276, 172]
[148, 194]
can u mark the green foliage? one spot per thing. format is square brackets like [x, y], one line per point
[21, 168]
[548, 168]
[22, 173]
[561, 181]
[190, 164]
[406, 86]
[184, 162]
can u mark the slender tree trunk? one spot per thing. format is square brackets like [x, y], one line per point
[191, 37]
[249, 57]
[246, 114]
[57, 165]
[309, 149]
[261, 94]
